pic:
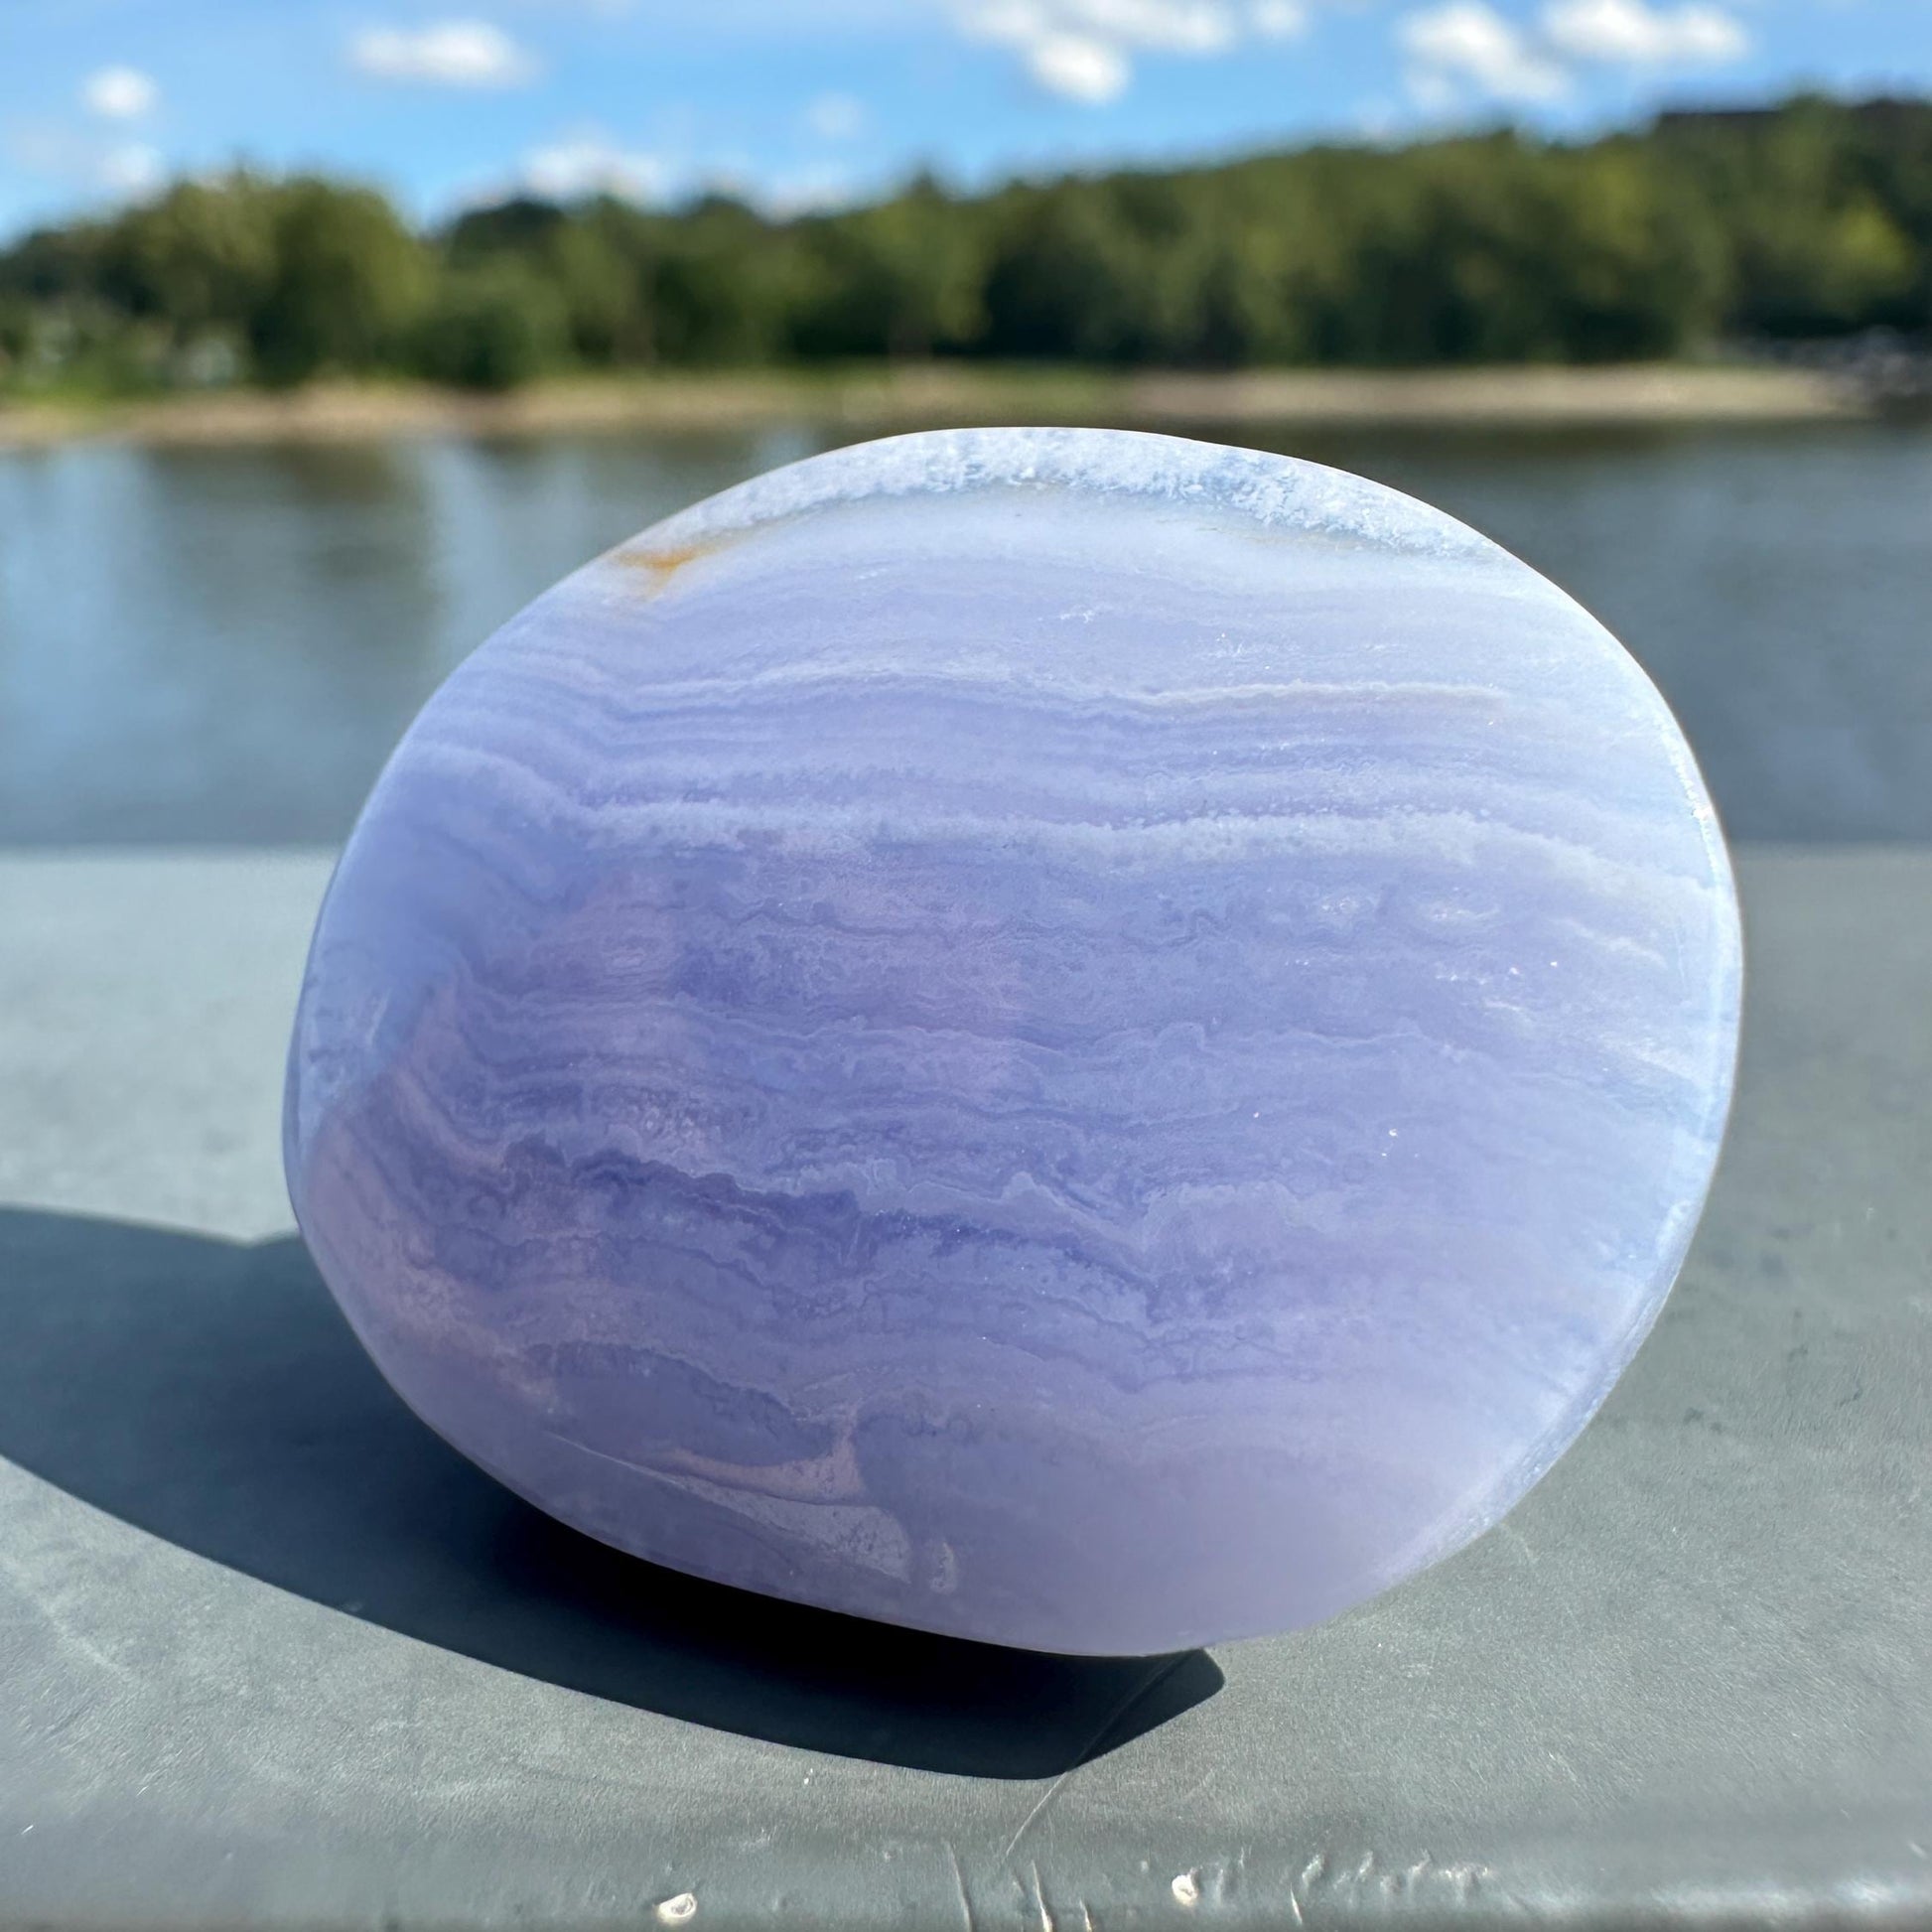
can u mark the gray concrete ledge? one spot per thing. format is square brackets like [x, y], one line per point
[274, 1657]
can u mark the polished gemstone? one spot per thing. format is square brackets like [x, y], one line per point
[1077, 1038]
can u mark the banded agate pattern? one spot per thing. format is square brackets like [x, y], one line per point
[1075, 1038]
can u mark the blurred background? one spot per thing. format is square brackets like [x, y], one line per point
[329, 335]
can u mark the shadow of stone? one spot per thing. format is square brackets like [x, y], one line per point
[210, 1393]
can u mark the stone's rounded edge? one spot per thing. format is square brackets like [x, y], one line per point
[1726, 963]
[1733, 965]
[295, 1127]
[927, 1614]
[1276, 492]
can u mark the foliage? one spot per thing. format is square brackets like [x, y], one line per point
[295, 275]
[1811, 220]
[494, 324]
[346, 283]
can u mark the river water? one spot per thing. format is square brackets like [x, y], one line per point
[221, 646]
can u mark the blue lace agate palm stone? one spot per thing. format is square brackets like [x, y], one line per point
[1081, 1039]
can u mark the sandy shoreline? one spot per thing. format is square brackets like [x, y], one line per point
[920, 397]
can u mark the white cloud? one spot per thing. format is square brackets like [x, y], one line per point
[836, 118]
[1465, 51]
[446, 54]
[82, 159]
[119, 93]
[1431, 90]
[1084, 49]
[1636, 35]
[590, 163]
[1160, 26]
[1078, 67]
[1163, 26]
[133, 169]
[1466, 42]
[1280, 20]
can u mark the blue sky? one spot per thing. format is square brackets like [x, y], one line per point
[802, 101]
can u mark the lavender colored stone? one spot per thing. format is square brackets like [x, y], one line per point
[1082, 1040]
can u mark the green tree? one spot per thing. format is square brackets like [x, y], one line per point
[1065, 278]
[723, 285]
[902, 279]
[201, 259]
[494, 324]
[349, 283]
[1812, 219]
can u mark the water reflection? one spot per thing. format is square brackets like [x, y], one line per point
[223, 644]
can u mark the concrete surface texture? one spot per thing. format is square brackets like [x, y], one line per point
[274, 1656]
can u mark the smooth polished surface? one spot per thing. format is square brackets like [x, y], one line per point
[1073, 1039]
[1685, 1681]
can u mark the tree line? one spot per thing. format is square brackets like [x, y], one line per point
[1809, 219]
